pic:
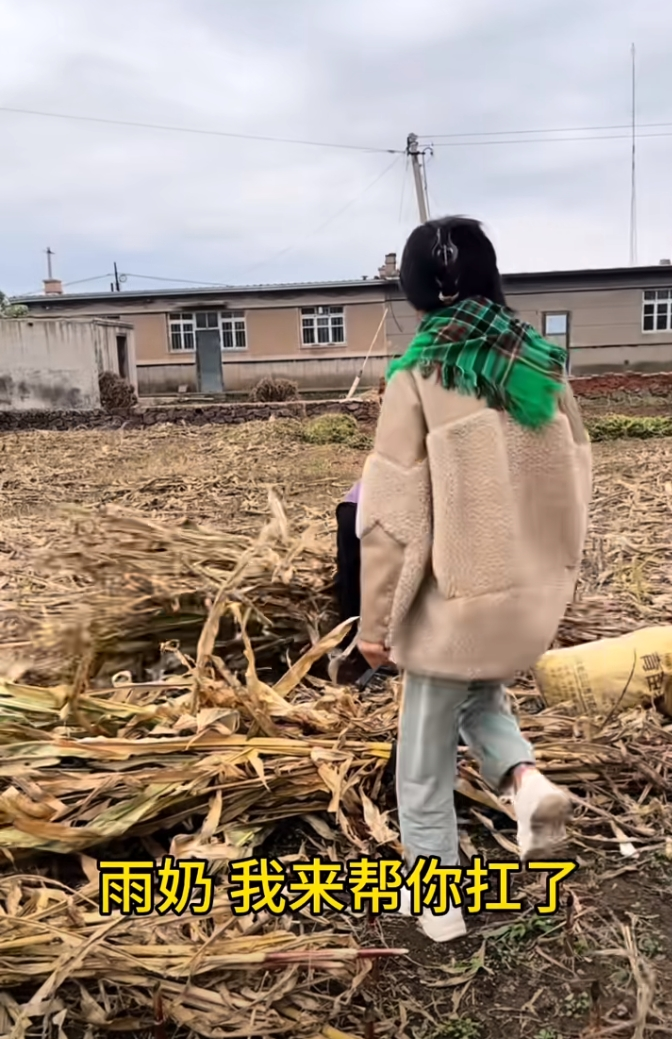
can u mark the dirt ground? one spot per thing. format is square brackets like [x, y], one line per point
[521, 975]
[544, 977]
[214, 474]
[631, 404]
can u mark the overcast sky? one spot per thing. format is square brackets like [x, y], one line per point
[360, 72]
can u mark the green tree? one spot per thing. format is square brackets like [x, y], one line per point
[9, 310]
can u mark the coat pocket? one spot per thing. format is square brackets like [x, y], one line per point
[510, 504]
[476, 543]
[397, 502]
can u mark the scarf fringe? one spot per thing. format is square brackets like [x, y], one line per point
[525, 411]
[527, 387]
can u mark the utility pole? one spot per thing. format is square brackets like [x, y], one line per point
[414, 155]
[633, 193]
[117, 286]
[49, 270]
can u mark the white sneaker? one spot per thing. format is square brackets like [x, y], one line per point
[405, 902]
[443, 928]
[542, 811]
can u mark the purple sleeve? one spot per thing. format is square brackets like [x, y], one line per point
[353, 494]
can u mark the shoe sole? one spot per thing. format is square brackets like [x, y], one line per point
[549, 827]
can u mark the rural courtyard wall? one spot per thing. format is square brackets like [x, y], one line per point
[220, 414]
[366, 411]
[46, 365]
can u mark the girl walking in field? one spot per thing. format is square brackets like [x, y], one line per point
[474, 509]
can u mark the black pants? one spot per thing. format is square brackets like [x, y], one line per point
[348, 586]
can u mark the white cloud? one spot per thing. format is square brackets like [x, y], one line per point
[364, 71]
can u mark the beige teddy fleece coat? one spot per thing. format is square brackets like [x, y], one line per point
[472, 531]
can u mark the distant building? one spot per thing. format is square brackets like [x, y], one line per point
[318, 334]
[55, 364]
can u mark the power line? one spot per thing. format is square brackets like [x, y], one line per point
[283, 252]
[176, 281]
[633, 190]
[548, 140]
[432, 199]
[548, 129]
[194, 130]
[66, 284]
[82, 281]
[144, 277]
[449, 138]
[403, 189]
[329, 220]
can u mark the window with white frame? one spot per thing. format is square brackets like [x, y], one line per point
[322, 326]
[182, 332]
[234, 333]
[657, 310]
[229, 323]
[555, 328]
[556, 324]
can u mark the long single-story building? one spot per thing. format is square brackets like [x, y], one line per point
[320, 334]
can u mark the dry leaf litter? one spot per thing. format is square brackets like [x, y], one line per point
[163, 690]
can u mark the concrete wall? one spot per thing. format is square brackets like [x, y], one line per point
[401, 325]
[366, 411]
[274, 349]
[311, 373]
[46, 365]
[276, 333]
[273, 327]
[605, 328]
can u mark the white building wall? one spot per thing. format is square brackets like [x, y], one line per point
[48, 365]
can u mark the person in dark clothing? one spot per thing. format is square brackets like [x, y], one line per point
[348, 590]
[347, 578]
[347, 561]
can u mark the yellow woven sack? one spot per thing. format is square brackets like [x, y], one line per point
[623, 672]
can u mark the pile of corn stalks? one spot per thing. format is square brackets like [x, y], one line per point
[203, 763]
[215, 977]
[206, 763]
[114, 586]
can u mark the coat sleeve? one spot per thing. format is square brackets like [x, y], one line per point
[570, 408]
[394, 515]
[584, 456]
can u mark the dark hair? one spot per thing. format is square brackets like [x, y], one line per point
[449, 259]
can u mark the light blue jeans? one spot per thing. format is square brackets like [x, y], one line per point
[434, 711]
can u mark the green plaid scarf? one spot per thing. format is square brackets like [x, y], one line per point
[481, 349]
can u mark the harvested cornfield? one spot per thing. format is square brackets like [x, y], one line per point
[164, 699]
